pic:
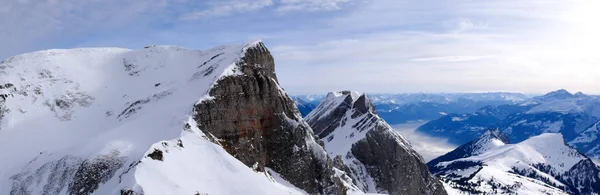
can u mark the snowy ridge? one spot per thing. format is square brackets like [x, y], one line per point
[541, 164]
[546, 149]
[121, 115]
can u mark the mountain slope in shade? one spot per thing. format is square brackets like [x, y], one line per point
[161, 120]
[378, 159]
[539, 165]
[588, 141]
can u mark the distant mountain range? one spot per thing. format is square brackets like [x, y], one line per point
[575, 116]
[401, 108]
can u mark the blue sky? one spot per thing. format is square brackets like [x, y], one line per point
[531, 46]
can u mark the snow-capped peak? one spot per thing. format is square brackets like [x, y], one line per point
[489, 140]
[332, 101]
[331, 96]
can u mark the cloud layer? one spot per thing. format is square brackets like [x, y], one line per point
[428, 147]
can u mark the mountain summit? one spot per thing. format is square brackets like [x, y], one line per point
[556, 95]
[378, 159]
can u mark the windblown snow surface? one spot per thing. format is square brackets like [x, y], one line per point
[112, 121]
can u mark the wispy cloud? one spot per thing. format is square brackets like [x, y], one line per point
[311, 5]
[227, 8]
[448, 59]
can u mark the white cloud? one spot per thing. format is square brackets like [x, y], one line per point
[228, 7]
[310, 5]
[448, 59]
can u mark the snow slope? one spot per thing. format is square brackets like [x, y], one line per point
[541, 164]
[92, 120]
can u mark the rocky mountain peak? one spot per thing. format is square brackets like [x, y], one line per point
[257, 122]
[372, 151]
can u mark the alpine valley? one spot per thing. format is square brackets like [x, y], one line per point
[169, 120]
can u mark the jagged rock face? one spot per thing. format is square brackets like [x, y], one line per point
[584, 173]
[348, 124]
[393, 167]
[256, 122]
[336, 114]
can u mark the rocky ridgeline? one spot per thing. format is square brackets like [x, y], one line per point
[377, 157]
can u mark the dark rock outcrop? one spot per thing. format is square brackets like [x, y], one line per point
[394, 168]
[258, 123]
[349, 126]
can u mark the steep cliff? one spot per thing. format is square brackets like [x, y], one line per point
[257, 122]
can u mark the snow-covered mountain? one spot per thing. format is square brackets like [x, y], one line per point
[542, 164]
[160, 120]
[376, 157]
